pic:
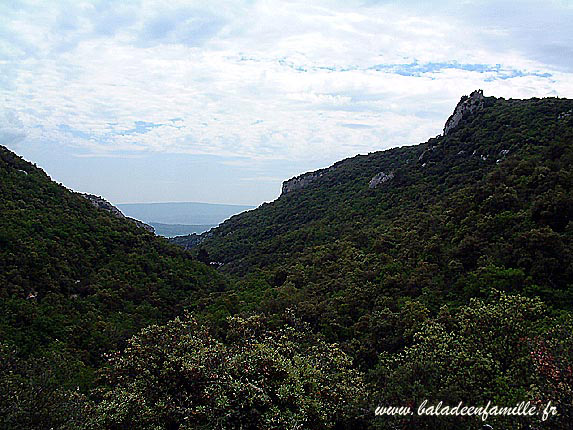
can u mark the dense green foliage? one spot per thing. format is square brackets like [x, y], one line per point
[452, 280]
[77, 281]
[486, 351]
[181, 376]
[487, 206]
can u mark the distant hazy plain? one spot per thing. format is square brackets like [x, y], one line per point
[180, 218]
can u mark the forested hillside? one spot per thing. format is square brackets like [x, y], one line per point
[384, 252]
[487, 205]
[77, 282]
[439, 272]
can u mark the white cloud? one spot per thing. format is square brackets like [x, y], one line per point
[267, 80]
[11, 129]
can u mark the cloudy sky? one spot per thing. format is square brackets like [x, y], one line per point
[212, 101]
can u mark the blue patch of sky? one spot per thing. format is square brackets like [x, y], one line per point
[77, 133]
[299, 68]
[356, 126]
[516, 74]
[141, 127]
[417, 69]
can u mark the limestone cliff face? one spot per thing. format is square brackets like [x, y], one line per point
[141, 224]
[300, 182]
[466, 106]
[103, 204]
[380, 178]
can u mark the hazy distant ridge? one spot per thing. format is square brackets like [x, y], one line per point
[187, 213]
[172, 230]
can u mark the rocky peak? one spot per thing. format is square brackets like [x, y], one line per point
[466, 106]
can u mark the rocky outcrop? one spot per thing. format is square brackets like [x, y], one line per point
[466, 106]
[300, 182]
[380, 178]
[103, 204]
[141, 224]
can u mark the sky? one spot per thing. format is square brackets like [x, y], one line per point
[219, 102]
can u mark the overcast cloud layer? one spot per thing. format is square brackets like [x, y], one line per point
[267, 89]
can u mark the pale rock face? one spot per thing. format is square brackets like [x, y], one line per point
[103, 204]
[467, 105]
[300, 182]
[380, 178]
[141, 224]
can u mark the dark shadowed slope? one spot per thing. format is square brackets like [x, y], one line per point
[77, 278]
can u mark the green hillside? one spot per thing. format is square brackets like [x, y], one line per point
[438, 272]
[75, 280]
[487, 205]
[417, 258]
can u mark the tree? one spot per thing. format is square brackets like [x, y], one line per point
[203, 256]
[36, 392]
[485, 351]
[179, 376]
